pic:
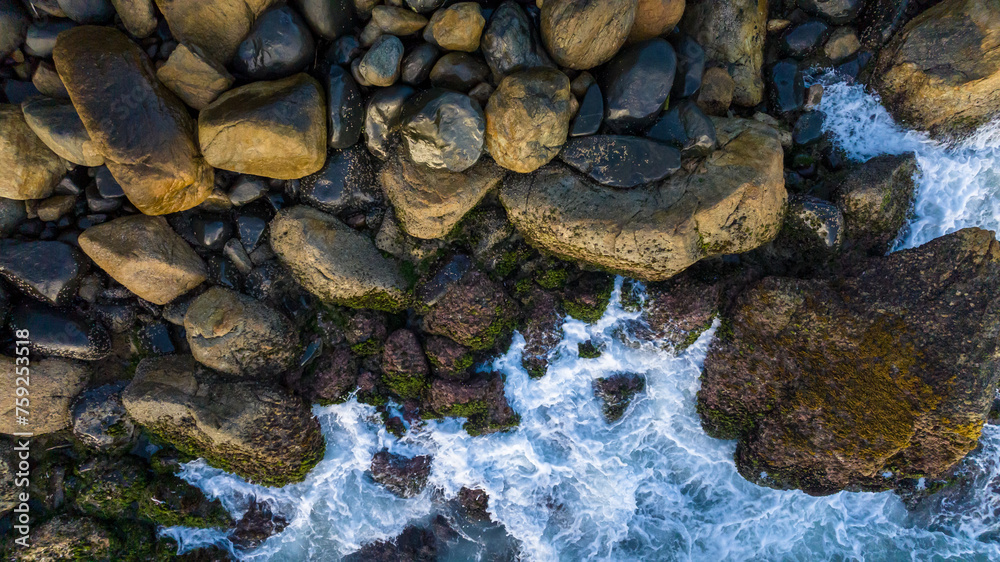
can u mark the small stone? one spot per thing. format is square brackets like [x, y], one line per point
[345, 183]
[31, 169]
[418, 64]
[716, 94]
[582, 35]
[777, 25]
[803, 40]
[621, 161]
[88, 11]
[211, 232]
[382, 118]
[510, 42]
[480, 400]
[146, 256]
[690, 67]
[344, 50]
[458, 71]
[636, 84]
[457, 27]
[251, 231]
[279, 45]
[843, 43]
[345, 108]
[404, 477]
[247, 189]
[272, 129]
[380, 65]
[55, 207]
[46, 270]
[654, 18]
[838, 12]
[46, 80]
[370, 34]
[787, 87]
[333, 378]
[330, 19]
[590, 115]
[196, 80]
[422, 6]
[54, 385]
[59, 126]
[61, 333]
[527, 119]
[138, 16]
[12, 212]
[808, 129]
[397, 21]
[41, 37]
[443, 130]
[481, 93]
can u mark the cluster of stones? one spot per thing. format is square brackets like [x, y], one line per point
[213, 214]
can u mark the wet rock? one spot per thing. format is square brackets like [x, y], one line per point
[430, 291]
[481, 401]
[620, 161]
[456, 28]
[31, 169]
[582, 35]
[804, 39]
[328, 18]
[876, 199]
[510, 42]
[41, 37]
[425, 6]
[808, 128]
[589, 117]
[382, 118]
[58, 126]
[636, 84]
[443, 130]
[690, 67]
[344, 50]
[616, 393]
[239, 335]
[61, 333]
[269, 436]
[257, 525]
[404, 365]
[146, 256]
[215, 28]
[196, 80]
[381, 64]
[334, 262]
[732, 204]
[837, 12]
[147, 141]
[938, 74]
[11, 214]
[138, 16]
[397, 21]
[247, 189]
[542, 331]
[787, 88]
[346, 182]
[279, 45]
[99, 418]
[527, 119]
[418, 64]
[843, 43]
[475, 312]
[732, 33]
[654, 18]
[14, 23]
[428, 202]
[333, 378]
[272, 129]
[54, 385]
[448, 359]
[345, 108]
[251, 231]
[46, 270]
[404, 477]
[458, 71]
[88, 11]
[882, 375]
[813, 231]
[686, 128]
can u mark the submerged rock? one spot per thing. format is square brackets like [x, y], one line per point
[861, 382]
[54, 385]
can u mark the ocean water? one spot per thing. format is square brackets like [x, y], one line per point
[566, 485]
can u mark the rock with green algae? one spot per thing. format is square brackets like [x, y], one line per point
[875, 199]
[475, 312]
[861, 382]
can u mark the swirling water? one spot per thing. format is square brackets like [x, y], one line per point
[566, 485]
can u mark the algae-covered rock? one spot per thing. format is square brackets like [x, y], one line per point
[475, 312]
[875, 199]
[861, 382]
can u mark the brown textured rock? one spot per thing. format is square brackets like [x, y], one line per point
[732, 203]
[64, 537]
[143, 130]
[138, 16]
[60, 128]
[194, 79]
[527, 119]
[481, 401]
[861, 382]
[216, 27]
[273, 129]
[146, 256]
[405, 477]
[397, 21]
[716, 93]
[475, 312]
[31, 169]
[582, 34]
[942, 72]
[732, 32]
[654, 18]
[876, 198]
[457, 27]
[54, 385]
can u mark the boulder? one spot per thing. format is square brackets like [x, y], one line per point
[217, 28]
[636, 85]
[861, 382]
[60, 128]
[654, 18]
[732, 32]
[475, 312]
[46, 270]
[510, 42]
[428, 202]
[443, 130]
[255, 430]
[195, 79]
[585, 34]
[279, 45]
[733, 203]
[143, 131]
[138, 16]
[481, 401]
[54, 383]
[146, 256]
[272, 129]
[31, 169]
[527, 119]
[876, 199]
[942, 72]
[616, 393]
[239, 335]
[456, 28]
[403, 476]
[335, 262]
[621, 161]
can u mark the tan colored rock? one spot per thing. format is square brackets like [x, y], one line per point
[144, 132]
[527, 119]
[274, 129]
[336, 263]
[146, 256]
[582, 34]
[196, 80]
[397, 21]
[457, 27]
[217, 27]
[53, 208]
[654, 18]
[138, 16]
[30, 169]
[732, 203]
[843, 42]
[732, 32]
[60, 128]
[942, 72]
[716, 93]
[47, 81]
[54, 383]
[428, 202]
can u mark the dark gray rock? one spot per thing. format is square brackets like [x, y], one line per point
[380, 65]
[458, 71]
[418, 64]
[803, 40]
[405, 477]
[590, 115]
[837, 12]
[344, 50]
[636, 84]
[41, 36]
[621, 161]
[808, 129]
[345, 107]
[247, 189]
[88, 11]
[251, 231]
[58, 125]
[444, 130]
[345, 183]
[13, 26]
[61, 333]
[687, 128]
[382, 118]
[48, 271]
[211, 231]
[690, 67]
[107, 185]
[328, 18]
[787, 87]
[510, 42]
[279, 45]
[99, 418]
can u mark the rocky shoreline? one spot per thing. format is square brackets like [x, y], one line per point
[215, 214]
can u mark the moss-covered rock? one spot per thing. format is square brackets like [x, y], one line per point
[475, 312]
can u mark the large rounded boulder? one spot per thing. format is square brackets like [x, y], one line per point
[582, 34]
